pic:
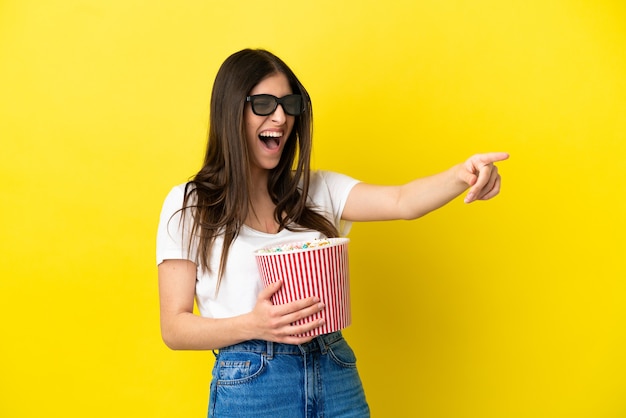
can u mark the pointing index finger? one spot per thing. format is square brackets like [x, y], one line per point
[492, 157]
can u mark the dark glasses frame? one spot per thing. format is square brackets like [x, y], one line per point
[292, 104]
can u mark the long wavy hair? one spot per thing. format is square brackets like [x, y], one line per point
[219, 194]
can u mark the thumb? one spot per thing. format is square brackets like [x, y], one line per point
[470, 179]
[266, 294]
[468, 174]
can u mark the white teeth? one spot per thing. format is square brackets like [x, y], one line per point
[271, 134]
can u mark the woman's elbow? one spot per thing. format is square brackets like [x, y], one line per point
[171, 338]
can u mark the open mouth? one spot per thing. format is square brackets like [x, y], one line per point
[271, 140]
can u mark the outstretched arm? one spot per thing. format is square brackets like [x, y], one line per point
[368, 202]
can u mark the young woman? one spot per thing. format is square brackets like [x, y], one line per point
[256, 189]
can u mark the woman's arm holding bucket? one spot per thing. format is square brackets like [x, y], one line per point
[182, 329]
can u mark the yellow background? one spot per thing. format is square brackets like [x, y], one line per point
[511, 308]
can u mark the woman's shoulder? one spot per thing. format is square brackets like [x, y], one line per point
[330, 179]
[331, 186]
[177, 193]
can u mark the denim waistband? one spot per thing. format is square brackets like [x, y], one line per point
[269, 348]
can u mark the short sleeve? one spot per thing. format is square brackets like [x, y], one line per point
[329, 192]
[172, 235]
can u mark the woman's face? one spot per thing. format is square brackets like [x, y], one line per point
[266, 135]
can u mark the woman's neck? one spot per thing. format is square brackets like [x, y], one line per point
[261, 213]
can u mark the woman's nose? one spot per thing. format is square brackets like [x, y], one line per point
[279, 115]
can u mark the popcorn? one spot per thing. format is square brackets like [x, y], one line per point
[294, 246]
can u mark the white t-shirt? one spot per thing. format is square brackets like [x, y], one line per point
[241, 282]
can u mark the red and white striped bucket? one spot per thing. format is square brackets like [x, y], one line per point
[320, 271]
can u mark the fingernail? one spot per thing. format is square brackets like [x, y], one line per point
[469, 197]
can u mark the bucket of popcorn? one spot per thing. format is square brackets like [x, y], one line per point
[311, 268]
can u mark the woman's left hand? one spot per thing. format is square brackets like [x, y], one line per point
[481, 174]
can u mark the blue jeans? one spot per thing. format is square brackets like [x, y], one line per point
[264, 379]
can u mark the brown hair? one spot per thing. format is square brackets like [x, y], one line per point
[221, 189]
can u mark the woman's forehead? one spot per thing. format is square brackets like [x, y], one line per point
[275, 84]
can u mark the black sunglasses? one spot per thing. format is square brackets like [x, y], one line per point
[266, 104]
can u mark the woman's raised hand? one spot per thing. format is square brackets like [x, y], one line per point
[481, 174]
